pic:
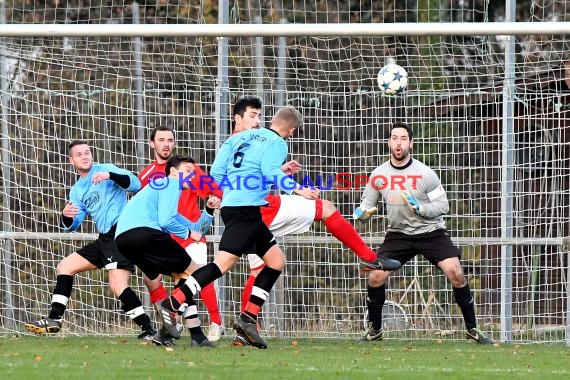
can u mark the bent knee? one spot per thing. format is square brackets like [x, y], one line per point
[377, 278]
[328, 208]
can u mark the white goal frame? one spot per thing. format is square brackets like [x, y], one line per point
[503, 31]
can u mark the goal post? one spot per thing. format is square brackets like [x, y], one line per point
[110, 82]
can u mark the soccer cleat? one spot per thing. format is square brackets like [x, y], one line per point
[167, 316]
[381, 263]
[163, 338]
[240, 341]
[248, 330]
[478, 336]
[204, 344]
[215, 333]
[372, 334]
[146, 336]
[45, 325]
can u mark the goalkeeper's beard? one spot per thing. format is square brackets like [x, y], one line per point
[403, 156]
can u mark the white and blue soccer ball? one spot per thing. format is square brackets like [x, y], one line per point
[392, 79]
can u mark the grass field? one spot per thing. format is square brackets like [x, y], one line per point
[29, 357]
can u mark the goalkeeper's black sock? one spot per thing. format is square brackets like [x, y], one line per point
[375, 303]
[464, 299]
[60, 297]
[132, 306]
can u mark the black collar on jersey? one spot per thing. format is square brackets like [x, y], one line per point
[401, 167]
[277, 133]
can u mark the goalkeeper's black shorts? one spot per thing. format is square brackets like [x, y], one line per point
[434, 246]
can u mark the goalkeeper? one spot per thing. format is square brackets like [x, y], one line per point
[415, 203]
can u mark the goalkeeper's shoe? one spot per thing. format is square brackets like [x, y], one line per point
[163, 338]
[372, 334]
[146, 336]
[168, 315]
[240, 341]
[248, 330]
[381, 263]
[478, 336]
[45, 325]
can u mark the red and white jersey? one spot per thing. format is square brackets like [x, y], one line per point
[269, 211]
[188, 203]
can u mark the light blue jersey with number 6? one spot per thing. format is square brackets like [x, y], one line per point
[248, 165]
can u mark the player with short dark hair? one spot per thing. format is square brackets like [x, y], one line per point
[144, 236]
[256, 154]
[292, 214]
[162, 142]
[414, 210]
[101, 191]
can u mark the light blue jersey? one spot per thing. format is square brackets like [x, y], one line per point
[158, 209]
[104, 201]
[249, 164]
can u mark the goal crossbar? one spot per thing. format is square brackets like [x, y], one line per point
[285, 30]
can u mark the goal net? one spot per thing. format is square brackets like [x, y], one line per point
[507, 177]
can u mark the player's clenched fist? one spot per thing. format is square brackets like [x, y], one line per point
[214, 202]
[100, 177]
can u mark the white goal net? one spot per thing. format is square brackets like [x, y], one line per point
[491, 114]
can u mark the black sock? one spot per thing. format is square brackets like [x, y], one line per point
[464, 299]
[264, 283]
[197, 334]
[132, 306]
[375, 303]
[63, 287]
[200, 278]
[207, 274]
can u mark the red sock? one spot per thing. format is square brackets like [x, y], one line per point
[177, 298]
[210, 299]
[158, 294]
[246, 293]
[346, 234]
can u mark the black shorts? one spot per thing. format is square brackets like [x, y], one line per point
[434, 246]
[153, 251]
[244, 229]
[103, 252]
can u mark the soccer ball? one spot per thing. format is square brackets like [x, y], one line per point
[392, 79]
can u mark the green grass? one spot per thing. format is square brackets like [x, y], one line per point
[29, 357]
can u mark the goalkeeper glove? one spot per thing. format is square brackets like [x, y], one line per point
[364, 215]
[412, 202]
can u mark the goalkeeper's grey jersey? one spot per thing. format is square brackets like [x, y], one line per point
[390, 182]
